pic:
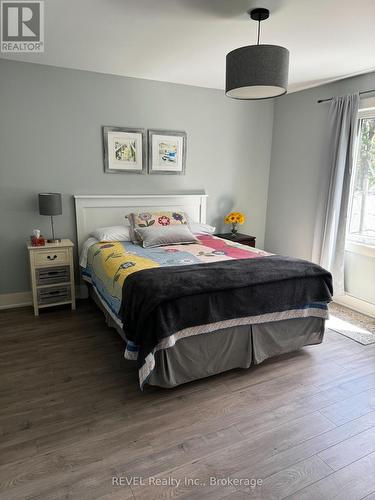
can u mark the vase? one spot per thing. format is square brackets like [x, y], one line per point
[234, 229]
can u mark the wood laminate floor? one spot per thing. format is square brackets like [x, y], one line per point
[73, 420]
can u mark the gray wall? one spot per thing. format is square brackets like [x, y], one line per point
[299, 165]
[50, 140]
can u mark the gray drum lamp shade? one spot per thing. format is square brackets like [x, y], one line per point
[50, 204]
[257, 72]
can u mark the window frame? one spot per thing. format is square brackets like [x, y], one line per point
[351, 244]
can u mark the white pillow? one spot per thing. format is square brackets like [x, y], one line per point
[84, 251]
[197, 228]
[112, 233]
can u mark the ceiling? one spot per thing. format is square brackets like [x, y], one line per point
[185, 41]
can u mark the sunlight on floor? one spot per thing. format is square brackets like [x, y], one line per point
[354, 332]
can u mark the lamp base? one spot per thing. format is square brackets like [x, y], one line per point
[54, 240]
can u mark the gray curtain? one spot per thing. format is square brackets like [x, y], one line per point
[342, 136]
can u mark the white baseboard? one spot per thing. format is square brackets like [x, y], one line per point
[358, 305]
[23, 299]
[12, 300]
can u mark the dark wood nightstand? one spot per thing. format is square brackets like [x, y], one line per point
[244, 239]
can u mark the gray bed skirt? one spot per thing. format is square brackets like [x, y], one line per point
[197, 357]
[201, 356]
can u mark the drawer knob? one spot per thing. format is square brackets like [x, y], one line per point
[51, 257]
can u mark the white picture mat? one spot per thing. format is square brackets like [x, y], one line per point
[157, 165]
[115, 164]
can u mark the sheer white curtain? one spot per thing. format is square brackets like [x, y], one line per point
[342, 136]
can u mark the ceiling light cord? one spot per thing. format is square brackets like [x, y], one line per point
[258, 31]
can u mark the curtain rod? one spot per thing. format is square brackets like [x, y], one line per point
[360, 93]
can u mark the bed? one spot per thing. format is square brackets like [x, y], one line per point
[184, 310]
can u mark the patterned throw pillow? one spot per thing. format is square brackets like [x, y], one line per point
[154, 219]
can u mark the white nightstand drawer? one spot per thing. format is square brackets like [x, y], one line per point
[53, 257]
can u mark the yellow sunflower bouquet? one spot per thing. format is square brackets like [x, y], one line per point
[235, 218]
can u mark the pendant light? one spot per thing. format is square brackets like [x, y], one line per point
[257, 71]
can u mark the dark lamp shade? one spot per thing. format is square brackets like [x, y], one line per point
[257, 72]
[50, 204]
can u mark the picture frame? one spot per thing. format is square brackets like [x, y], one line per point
[125, 150]
[167, 152]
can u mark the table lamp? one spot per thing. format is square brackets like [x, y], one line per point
[50, 204]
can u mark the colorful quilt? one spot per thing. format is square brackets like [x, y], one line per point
[110, 263]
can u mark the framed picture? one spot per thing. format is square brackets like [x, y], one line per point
[124, 150]
[166, 152]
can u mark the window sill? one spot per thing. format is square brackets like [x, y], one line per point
[360, 248]
[359, 305]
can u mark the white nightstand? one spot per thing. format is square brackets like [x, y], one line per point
[52, 274]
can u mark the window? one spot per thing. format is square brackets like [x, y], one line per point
[361, 224]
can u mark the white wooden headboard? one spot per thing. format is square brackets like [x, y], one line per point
[94, 211]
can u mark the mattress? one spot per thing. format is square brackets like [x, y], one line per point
[109, 264]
